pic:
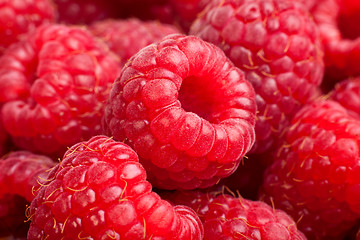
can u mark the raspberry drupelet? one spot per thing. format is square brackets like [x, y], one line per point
[99, 191]
[277, 45]
[315, 177]
[127, 37]
[54, 85]
[18, 17]
[226, 217]
[185, 109]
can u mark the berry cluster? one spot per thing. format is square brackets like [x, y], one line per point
[179, 119]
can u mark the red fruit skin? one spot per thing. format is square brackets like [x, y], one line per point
[99, 191]
[315, 175]
[54, 85]
[85, 12]
[185, 109]
[127, 37]
[228, 218]
[277, 45]
[21, 174]
[18, 17]
[347, 93]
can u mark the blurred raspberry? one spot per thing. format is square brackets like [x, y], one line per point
[277, 45]
[21, 174]
[186, 11]
[347, 93]
[127, 37]
[339, 26]
[85, 12]
[159, 10]
[54, 85]
[18, 17]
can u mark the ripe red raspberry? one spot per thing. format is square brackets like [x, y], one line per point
[127, 37]
[347, 93]
[226, 217]
[185, 109]
[18, 17]
[277, 45]
[54, 85]
[85, 12]
[338, 22]
[21, 173]
[99, 191]
[315, 177]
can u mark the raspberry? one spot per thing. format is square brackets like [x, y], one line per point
[18, 17]
[277, 45]
[347, 93]
[185, 109]
[315, 175]
[340, 32]
[187, 10]
[230, 218]
[85, 12]
[127, 37]
[21, 173]
[99, 191]
[54, 85]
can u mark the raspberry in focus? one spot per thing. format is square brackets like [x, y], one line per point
[54, 85]
[100, 191]
[185, 109]
[227, 217]
[315, 177]
[277, 45]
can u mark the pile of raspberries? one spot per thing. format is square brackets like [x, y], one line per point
[180, 119]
